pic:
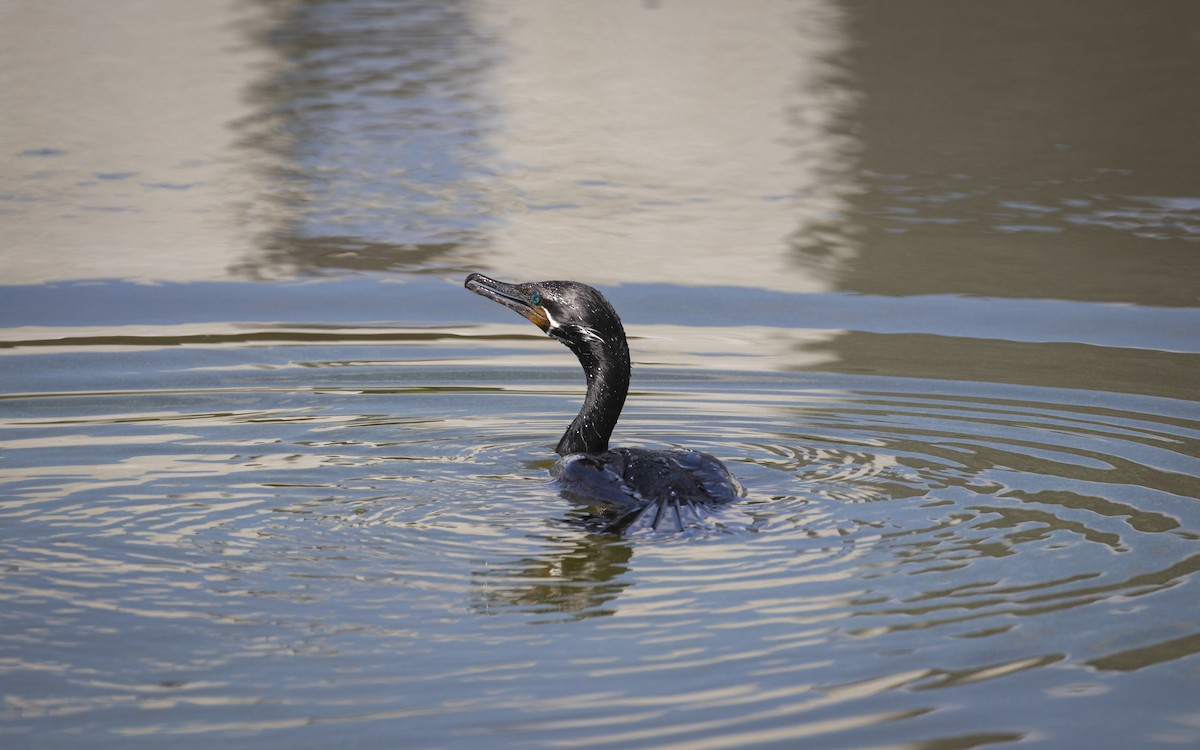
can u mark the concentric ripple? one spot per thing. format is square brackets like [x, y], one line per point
[266, 556]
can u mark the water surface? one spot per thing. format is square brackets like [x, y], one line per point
[925, 278]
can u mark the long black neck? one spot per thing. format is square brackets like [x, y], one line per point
[606, 365]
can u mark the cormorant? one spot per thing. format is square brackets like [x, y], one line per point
[638, 488]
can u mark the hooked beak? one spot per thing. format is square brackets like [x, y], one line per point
[509, 296]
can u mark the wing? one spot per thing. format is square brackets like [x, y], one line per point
[660, 490]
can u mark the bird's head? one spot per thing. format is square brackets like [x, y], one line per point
[574, 313]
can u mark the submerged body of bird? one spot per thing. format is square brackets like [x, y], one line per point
[636, 488]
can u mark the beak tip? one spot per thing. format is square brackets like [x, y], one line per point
[473, 281]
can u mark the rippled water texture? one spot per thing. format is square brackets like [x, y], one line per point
[924, 274]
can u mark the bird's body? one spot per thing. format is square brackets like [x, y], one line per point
[635, 488]
[658, 489]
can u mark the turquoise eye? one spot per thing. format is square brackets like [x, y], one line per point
[535, 298]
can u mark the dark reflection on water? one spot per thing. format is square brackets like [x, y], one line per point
[373, 121]
[578, 581]
[1051, 145]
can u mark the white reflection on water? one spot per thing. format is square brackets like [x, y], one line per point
[116, 139]
[671, 142]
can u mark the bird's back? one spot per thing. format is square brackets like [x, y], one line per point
[663, 490]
